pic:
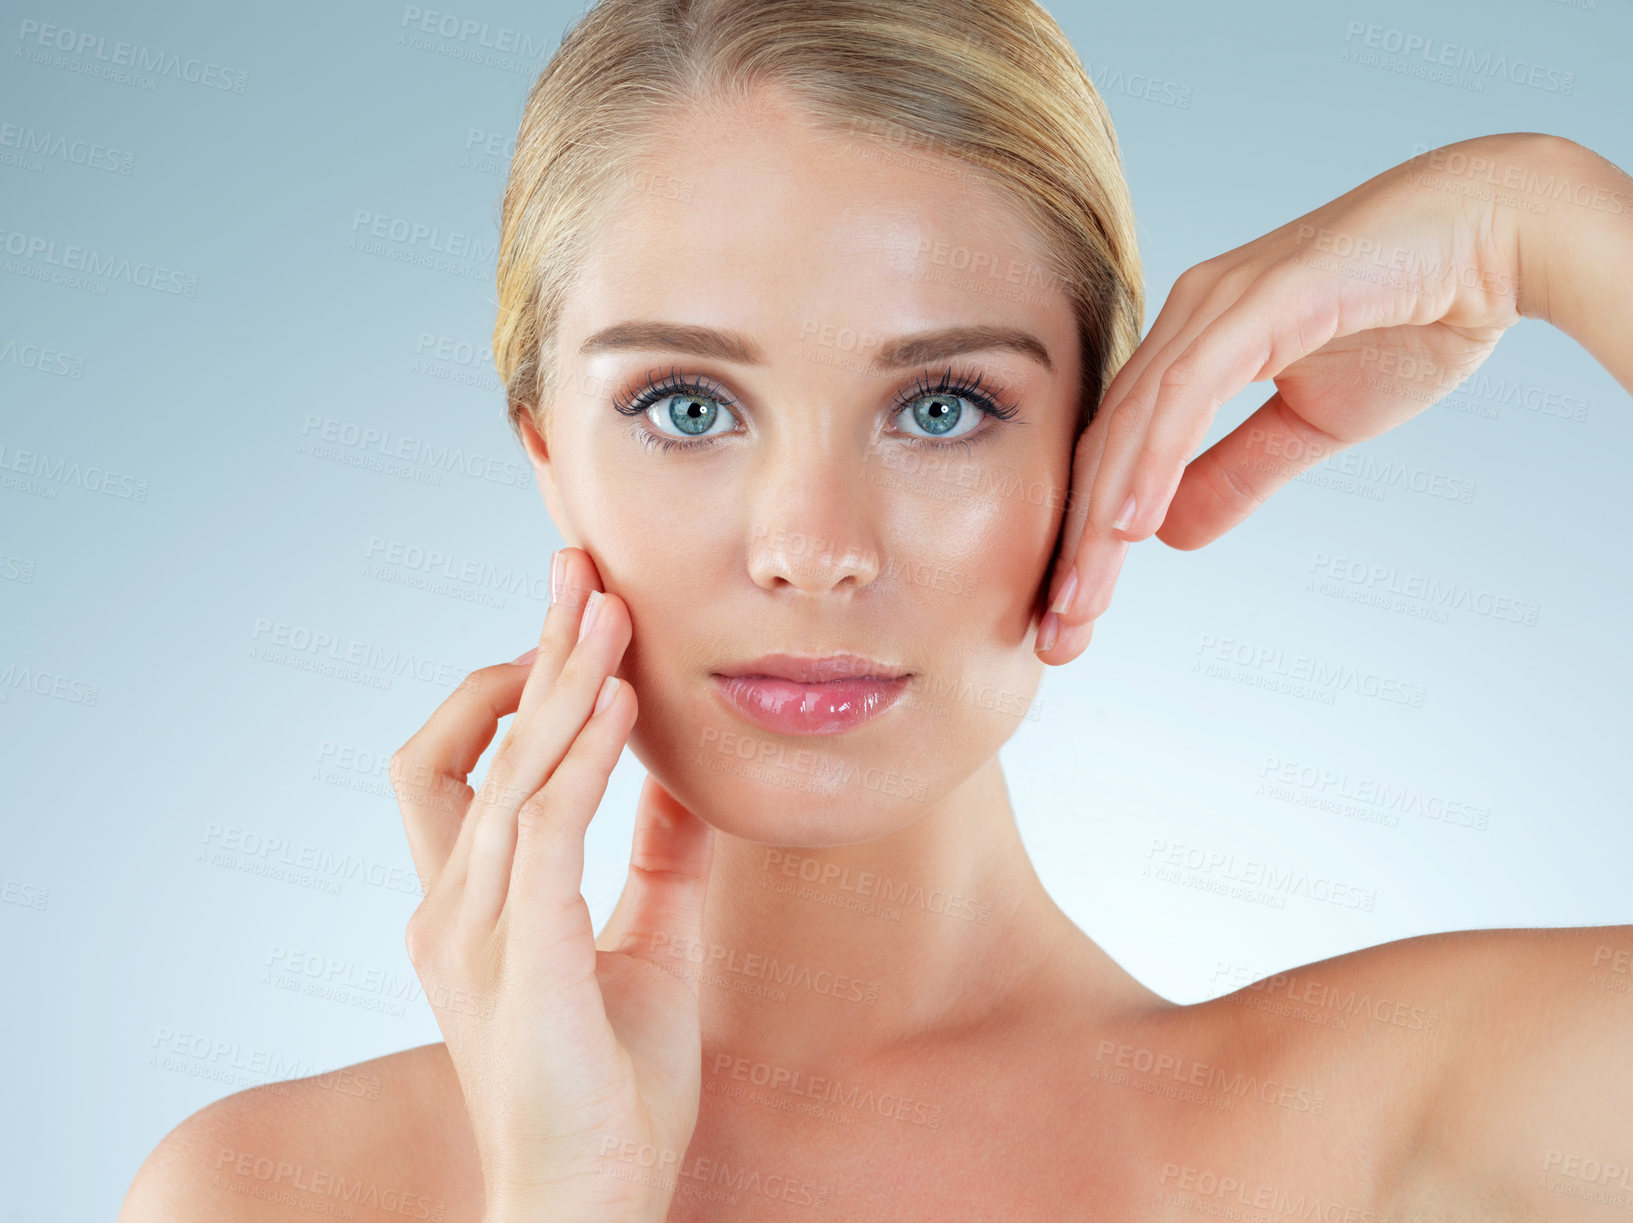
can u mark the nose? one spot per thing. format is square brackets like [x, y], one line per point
[813, 524]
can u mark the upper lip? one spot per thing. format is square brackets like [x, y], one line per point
[809, 669]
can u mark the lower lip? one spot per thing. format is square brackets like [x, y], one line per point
[790, 707]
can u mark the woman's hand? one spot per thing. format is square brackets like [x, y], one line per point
[576, 1064]
[1363, 313]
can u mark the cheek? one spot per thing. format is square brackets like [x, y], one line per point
[662, 547]
[985, 530]
[983, 558]
[642, 521]
[982, 673]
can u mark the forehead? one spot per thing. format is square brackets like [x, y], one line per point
[735, 217]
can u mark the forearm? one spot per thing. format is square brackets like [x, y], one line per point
[1576, 253]
[643, 1196]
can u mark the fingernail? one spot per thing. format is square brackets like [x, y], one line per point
[528, 657]
[592, 606]
[1101, 578]
[1126, 516]
[609, 689]
[1063, 604]
[1047, 631]
[558, 575]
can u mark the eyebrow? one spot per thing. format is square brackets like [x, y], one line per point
[918, 349]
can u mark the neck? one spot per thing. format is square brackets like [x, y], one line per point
[830, 954]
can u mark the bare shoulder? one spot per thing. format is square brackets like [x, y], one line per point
[1537, 1092]
[1487, 1065]
[1503, 1006]
[389, 1135]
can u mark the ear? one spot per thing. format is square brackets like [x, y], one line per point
[544, 471]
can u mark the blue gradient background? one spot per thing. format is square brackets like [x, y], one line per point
[120, 931]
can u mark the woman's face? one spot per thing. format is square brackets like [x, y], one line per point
[782, 308]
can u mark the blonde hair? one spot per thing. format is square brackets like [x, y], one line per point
[994, 84]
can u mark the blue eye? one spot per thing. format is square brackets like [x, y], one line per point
[679, 408]
[691, 415]
[949, 409]
[940, 416]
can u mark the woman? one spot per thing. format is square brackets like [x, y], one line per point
[805, 309]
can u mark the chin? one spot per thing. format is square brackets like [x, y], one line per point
[787, 794]
[795, 790]
[768, 813]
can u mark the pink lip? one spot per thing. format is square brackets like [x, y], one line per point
[790, 695]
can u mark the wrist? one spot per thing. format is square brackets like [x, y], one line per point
[1573, 225]
[607, 1189]
[568, 1212]
[568, 1203]
[1500, 184]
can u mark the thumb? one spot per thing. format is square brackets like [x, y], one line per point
[1233, 477]
[662, 902]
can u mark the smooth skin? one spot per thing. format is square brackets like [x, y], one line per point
[1489, 1074]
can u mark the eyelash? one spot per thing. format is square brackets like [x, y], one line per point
[964, 383]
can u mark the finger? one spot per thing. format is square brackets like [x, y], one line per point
[1195, 300]
[428, 772]
[1193, 294]
[543, 741]
[547, 870]
[1271, 325]
[1088, 555]
[1130, 420]
[573, 575]
[668, 880]
[1070, 640]
[1082, 587]
[1276, 322]
[578, 576]
[1091, 446]
[1234, 476]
